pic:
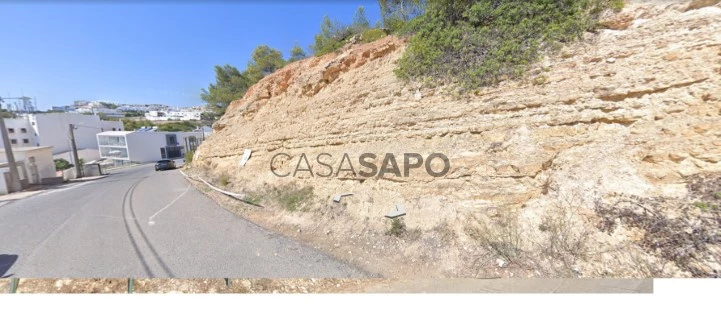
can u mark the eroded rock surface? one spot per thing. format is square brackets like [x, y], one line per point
[633, 110]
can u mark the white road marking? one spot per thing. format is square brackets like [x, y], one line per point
[150, 219]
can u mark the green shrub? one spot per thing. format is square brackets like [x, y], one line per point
[184, 126]
[704, 206]
[540, 80]
[62, 164]
[253, 198]
[616, 5]
[132, 125]
[224, 180]
[478, 43]
[189, 157]
[372, 35]
[292, 198]
[398, 227]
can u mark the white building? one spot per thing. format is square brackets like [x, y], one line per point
[20, 132]
[173, 115]
[143, 147]
[54, 130]
[35, 166]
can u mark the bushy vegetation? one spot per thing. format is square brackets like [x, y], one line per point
[189, 157]
[396, 14]
[372, 35]
[108, 105]
[292, 198]
[62, 164]
[6, 114]
[133, 113]
[132, 125]
[184, 126]
[482, 42]
[224, 180]
[472, 42]
[398, 227]
[332, 35]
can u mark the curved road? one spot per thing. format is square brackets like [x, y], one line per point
[141, 223]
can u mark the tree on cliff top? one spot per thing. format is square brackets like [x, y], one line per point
[331, 36]
[297, 53]
[264, 61]
[230, 84]
[360, 22]
[395, 13]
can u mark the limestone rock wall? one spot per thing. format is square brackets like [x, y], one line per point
[634, 109]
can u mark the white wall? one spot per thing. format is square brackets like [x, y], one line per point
[43, 161]
[53, 130]
[110, 125]
[86, 154]
[145, 146]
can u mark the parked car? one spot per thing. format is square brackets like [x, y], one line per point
[164, 165]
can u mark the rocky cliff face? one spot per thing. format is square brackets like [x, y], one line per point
[632, 112]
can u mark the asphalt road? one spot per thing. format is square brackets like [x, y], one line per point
[141, 223]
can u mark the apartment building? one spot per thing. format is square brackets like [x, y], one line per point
[21, 133]
[53, 129]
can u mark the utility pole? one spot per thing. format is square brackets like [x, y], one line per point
[14, 176]
[78, 172]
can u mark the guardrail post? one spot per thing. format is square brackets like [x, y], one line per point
[131, 283]
[13, 285]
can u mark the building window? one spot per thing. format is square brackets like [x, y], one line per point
[171, 139]
[111, 141]
[13, 141]
[26, 141]
[114, 152]
[24, 130]
[11, 130]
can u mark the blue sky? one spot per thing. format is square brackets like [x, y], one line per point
[160, 52]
